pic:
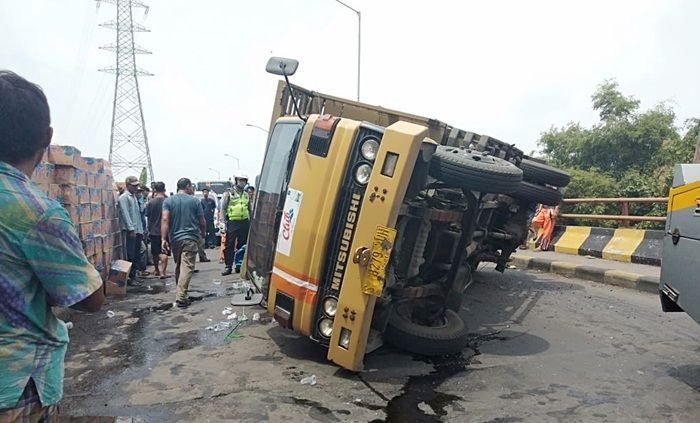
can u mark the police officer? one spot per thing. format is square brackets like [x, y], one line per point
[236, 213]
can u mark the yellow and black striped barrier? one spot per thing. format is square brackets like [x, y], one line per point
[627, 245]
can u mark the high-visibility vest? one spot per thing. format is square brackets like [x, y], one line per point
[237, 206]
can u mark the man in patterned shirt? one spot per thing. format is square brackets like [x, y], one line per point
[42, 263]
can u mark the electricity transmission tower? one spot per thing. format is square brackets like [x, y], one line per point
[128, 144]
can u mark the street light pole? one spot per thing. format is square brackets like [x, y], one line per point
[217, 172]
[238, 163]
[359, 43]
[259, 127]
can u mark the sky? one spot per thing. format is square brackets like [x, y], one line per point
[509, 69]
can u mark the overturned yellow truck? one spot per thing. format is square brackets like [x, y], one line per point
[369, 222]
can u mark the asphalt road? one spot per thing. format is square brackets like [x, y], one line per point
[542, 348]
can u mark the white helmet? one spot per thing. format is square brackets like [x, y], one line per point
[241, 174]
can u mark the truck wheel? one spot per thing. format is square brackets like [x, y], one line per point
[475, 171]
[534, 193]
[541, 173]
[449, 337]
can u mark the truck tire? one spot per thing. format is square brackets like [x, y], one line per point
[474, 171]
[541, 173]
[534, 193]
[449, 338]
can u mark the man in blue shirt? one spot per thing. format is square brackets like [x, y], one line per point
[42, 263]
[209, 205]
[131, 223]
[183, 222]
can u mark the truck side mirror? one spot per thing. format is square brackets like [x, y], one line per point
[282, 66]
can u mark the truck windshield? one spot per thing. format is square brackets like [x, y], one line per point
[275, 166]
[265, 222]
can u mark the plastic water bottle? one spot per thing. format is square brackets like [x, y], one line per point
[309, 380]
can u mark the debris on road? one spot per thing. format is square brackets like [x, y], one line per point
[309, 380]
[240, 285]
[110, 314]
[219, 326]
[232, 334]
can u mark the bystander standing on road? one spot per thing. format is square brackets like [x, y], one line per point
[236, 212]
[545, 219]
[130, 223]
[183, 224]
[251, 196]
[200, 250]
[209, 205]
[154, 211]
[42, 263]
[221, 225]
[141, 195]
[152, 192]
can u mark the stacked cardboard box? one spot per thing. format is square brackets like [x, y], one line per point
[86, 189]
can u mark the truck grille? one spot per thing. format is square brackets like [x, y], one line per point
[342, 230]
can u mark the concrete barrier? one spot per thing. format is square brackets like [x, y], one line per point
[597, 274]
[627, 245]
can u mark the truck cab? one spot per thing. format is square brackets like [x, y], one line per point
[369, 230]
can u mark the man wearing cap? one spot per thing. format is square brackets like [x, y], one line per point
[236, 213]
[130, 223]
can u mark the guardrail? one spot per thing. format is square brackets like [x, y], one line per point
[624, 216]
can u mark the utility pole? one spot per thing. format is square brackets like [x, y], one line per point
[696, 158]
[128, 144]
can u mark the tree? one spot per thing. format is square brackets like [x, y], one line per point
[629, 153]
[610, 103]
[624, 138]
[143, 177]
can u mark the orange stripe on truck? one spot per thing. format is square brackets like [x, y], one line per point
[298, 275]
[300, 293]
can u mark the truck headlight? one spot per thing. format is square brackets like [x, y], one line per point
[369, 148]
[344, 339]
[325, 327]
[330, 305]
[362, 173]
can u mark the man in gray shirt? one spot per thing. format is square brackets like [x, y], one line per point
[182, 225]
[131, 223]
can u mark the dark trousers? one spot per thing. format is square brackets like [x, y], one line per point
[210, 240]
[133, 252]
[236, 237]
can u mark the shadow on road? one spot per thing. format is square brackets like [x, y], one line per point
[296, 346]
[688, 374]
